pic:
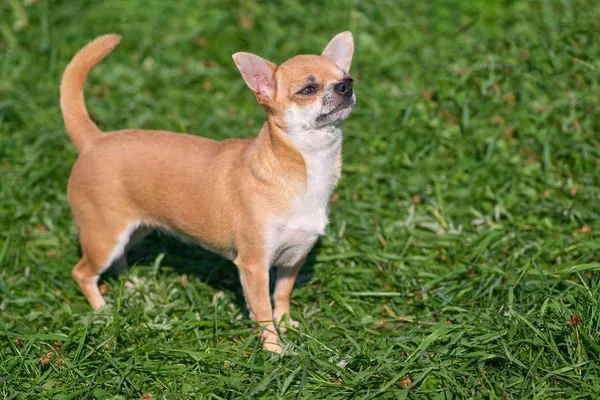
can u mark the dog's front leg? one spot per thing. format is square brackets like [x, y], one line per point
[286, 278]
[254, 274]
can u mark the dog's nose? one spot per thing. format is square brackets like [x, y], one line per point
[344, 87]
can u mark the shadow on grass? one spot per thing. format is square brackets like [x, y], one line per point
[208, 267]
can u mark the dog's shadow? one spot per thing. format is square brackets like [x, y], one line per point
[206, 266]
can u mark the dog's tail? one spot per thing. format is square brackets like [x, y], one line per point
[80, 127]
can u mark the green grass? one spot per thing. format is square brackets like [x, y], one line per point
[463, 252]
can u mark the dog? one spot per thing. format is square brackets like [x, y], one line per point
[258, 202]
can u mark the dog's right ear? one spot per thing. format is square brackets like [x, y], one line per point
[259, 75]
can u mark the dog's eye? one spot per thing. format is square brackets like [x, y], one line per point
[310, 89]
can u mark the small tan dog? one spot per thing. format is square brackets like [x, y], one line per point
[258, 202]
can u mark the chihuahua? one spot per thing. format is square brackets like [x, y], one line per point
[258, 202]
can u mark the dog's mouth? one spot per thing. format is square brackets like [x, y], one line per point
[343, 105]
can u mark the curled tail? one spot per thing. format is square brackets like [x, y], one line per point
[80, 127]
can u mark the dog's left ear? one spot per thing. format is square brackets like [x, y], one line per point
[340, 50]
[259, 75]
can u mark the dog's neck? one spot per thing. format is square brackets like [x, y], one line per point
[274, 160]
[289, 158]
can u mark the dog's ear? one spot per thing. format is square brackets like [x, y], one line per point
[259, 75]
[340, 50]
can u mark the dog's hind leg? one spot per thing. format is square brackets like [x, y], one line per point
[86, 275]
[101, 246]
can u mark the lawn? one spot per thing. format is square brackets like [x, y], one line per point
[462, 256]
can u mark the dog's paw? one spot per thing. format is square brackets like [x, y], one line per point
[270, 340]
[292, 322]
[275, 347]
[285, 321]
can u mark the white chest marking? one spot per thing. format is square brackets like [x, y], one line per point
[291, 237]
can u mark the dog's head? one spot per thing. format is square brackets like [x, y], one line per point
[306, 92]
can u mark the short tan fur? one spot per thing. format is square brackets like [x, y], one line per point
[258, 202]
